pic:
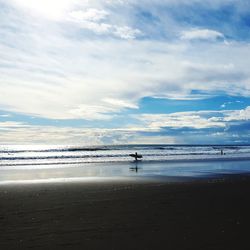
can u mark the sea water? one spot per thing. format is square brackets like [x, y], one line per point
[57, 163]
[17, 155]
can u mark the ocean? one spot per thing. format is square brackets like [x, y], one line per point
[43, 163]
[35, 155]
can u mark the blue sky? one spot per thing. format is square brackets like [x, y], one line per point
[115, 72]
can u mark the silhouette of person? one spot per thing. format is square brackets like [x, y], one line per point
[136, 156]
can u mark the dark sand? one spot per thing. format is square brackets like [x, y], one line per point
[204, 214]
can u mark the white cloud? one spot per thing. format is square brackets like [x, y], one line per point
[98, 28]
[62, 78]
[93, 15]
[203, 34]
[238, 115]
[151, 124]
[155, 140]
[79, 12]
[120, 103]
[57, 70]
[148, 130]
[194, 120]
[20, 133]
[12, 124]
[126, 32]
[91, 19]
[95, 20]
[89, 112]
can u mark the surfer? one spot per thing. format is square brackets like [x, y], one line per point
[136, 156]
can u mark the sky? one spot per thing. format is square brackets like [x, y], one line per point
[124, 71]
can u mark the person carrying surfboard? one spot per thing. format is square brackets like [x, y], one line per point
[136, 156]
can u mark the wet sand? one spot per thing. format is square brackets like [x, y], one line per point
[200, 214]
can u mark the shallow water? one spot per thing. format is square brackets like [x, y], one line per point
[122, 170]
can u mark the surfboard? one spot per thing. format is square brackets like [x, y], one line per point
[134, 155]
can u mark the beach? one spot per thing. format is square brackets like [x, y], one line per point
[129, 213]
[124, 125]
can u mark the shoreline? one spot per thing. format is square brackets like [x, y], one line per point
[140, 180]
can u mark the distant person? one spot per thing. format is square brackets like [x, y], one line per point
[136, 156]
[221, 152]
